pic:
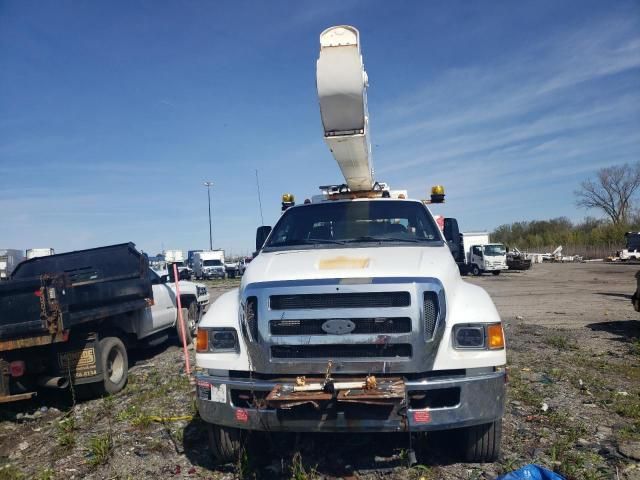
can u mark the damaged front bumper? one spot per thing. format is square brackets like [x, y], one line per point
[431, 403]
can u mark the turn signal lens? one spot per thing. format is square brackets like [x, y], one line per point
[202, 341]
[495, 336]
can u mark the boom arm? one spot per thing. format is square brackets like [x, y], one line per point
[342, 83]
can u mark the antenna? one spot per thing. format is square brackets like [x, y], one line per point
[259, 198]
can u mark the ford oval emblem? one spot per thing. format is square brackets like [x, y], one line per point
[338, 326]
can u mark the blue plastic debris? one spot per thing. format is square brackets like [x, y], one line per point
[531, 472]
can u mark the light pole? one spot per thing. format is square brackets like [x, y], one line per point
[209, 185]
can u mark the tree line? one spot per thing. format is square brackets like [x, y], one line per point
[612, 192]
[591, 232]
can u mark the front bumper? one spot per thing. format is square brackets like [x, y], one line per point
[480, 400]
[214, 274]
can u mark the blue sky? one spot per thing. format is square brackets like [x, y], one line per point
[113, 113]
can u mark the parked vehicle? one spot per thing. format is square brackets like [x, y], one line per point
[233, 268]
[39, 252]
[209, 264]
[480, 255]
[9, 260]
[71, 319]
[176, 257]
[632, 250]
[190, 257]
[353, 316]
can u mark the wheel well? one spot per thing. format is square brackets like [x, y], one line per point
[187, 299]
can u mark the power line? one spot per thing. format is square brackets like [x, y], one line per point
[259, 197]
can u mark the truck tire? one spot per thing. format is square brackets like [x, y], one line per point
[496, 272]
[225, 443]
[475, 270]
[115, 366]
[190, 316]
[481, 443]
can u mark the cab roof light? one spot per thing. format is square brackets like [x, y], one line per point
[288, 200]
[437, 194]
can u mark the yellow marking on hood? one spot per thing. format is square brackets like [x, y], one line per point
[343, 262]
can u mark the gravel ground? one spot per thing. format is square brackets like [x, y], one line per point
[573, 404]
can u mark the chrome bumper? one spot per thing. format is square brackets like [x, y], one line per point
[481, 400]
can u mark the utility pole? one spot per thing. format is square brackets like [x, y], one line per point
[209, 185]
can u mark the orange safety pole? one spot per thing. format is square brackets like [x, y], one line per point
[181, 320]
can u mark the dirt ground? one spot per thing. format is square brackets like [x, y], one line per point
[573, 404]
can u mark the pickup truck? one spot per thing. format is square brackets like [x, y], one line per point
[71, 318]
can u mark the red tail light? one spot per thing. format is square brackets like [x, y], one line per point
[17, 368]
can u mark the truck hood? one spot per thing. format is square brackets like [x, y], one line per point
[410, 261]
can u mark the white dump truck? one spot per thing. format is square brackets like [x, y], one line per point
[353, 316]
[480, 255]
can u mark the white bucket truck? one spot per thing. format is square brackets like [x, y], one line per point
[209, 264]
[480, 255]
[353, 316]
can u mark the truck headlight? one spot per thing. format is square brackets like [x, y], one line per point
[478, 336]
[217, 340]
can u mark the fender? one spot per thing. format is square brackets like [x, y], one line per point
[468, 304]
[224, 312]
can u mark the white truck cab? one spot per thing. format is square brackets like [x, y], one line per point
[353, 316]
[481, 255]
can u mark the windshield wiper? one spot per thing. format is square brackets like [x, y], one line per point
[386, 239]
[307, 241]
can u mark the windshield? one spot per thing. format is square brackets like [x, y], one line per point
[212, 263]
[494, 250]
[351, 223]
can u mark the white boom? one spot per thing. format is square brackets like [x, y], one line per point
[342, 84]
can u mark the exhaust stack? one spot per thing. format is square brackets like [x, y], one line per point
[342, 83]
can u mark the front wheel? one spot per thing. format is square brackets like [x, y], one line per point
[481, 443]
[475, 270]
[496, 272]
[225, 443]
[190, 317]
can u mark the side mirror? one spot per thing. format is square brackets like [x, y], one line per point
[454, 240]
[261, 236]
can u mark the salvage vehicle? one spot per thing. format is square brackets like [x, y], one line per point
[353, 316]
[71, 318]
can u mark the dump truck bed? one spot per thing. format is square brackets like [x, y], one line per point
[48, 295]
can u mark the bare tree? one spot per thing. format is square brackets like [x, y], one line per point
[611, 191]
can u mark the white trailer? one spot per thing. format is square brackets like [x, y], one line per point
[209, 264]
[9, 259]
[39, 252]
[174, 256]
[481, 255]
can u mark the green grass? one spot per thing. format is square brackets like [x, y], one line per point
[10, 472]
[100, 447]
[560, 341]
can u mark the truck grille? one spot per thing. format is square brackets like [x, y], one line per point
[430, 309]
[363, 325]
[394, 350]
[340, 300]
